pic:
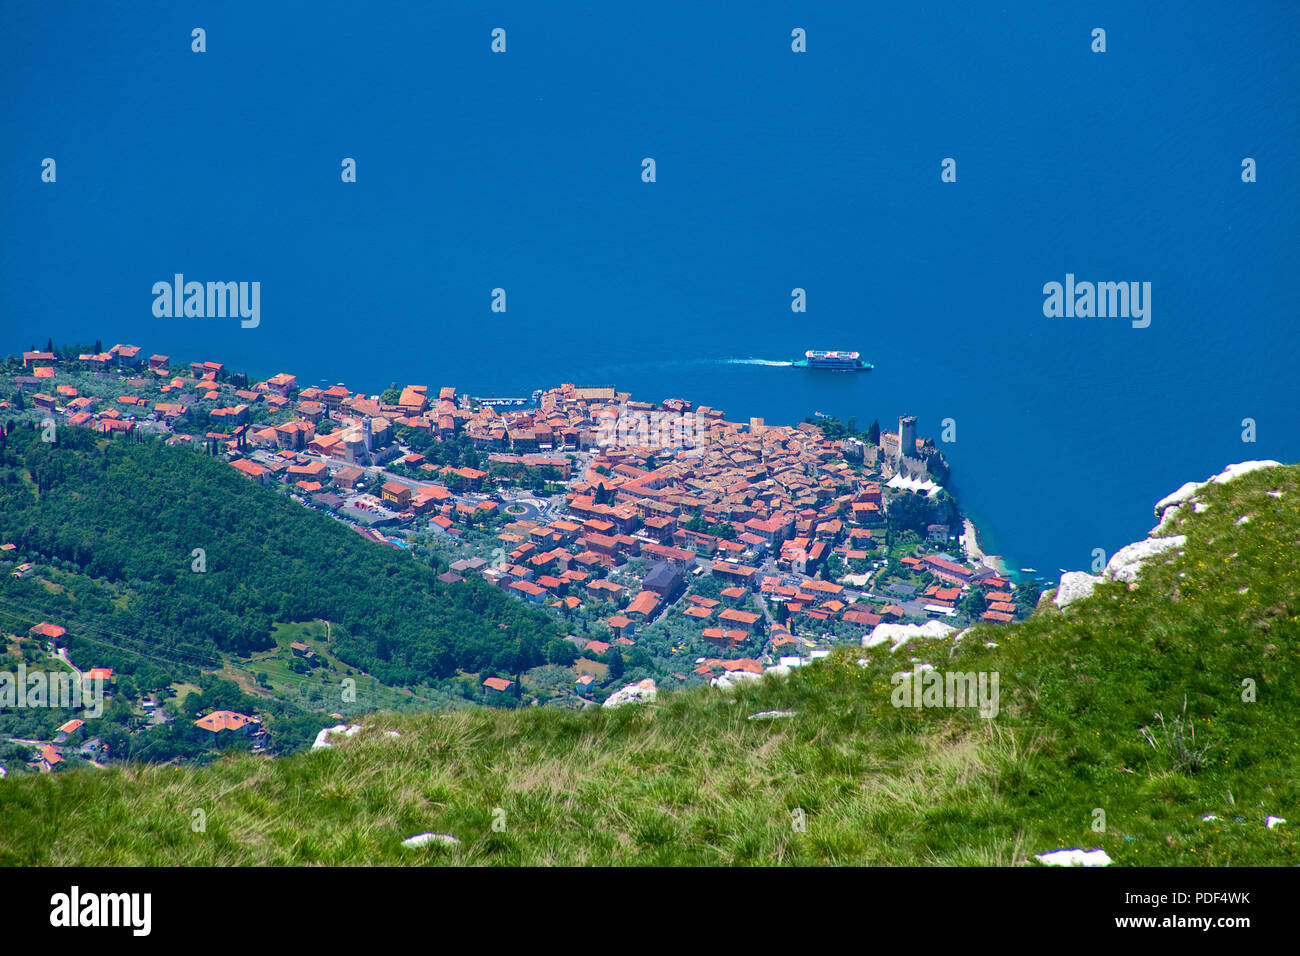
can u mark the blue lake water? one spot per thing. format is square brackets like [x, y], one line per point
[775, 170]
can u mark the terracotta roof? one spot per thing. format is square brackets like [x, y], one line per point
[220, 720]
[250, 468]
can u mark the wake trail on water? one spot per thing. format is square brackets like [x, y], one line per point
[618, 368]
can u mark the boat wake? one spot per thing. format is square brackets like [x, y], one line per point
[754, 361]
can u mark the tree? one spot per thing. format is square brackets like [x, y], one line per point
[614, 657]
[561, 652]
[973, 602]
[945, 510]
[126, 687]
[390, 395]
[1026, 597]
[909, 512]
[873, 433]
[138, 491]
[191, 705]
[117, 740]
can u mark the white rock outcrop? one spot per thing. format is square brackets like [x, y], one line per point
[322, 738]
[900, 634]
[424, 839]
[1169, 507]
[1125, 563]
[1167, 521]
[1181, 496]
[1074, 858]
[1188, 491]
[1243, 468]
[642, 692]
[1075, 586]
[733, 679]
[955, 646]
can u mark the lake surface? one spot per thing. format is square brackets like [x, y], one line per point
[774, 171]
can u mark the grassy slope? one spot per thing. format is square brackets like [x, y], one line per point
[286, 684]
[690, 780]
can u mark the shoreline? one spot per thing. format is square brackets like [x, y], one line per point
[974, 553]
[970, 541]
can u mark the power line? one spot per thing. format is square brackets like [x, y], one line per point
[26, 612]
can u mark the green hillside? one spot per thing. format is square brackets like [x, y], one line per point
[117, 526]
[691, 780]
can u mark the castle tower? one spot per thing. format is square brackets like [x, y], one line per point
[907, 436]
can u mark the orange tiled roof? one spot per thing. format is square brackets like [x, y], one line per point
[220, 720]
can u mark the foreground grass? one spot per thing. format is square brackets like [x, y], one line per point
[691, 780]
